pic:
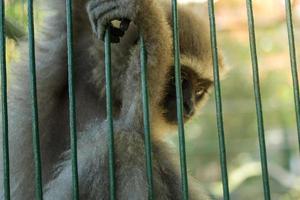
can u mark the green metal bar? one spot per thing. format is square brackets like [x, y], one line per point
[183, 166]
[259, 110]
[72, 101]
[35, 117]
[5, 143]
[109, 112]
[218, 99]
[147, 131]
[293, 60]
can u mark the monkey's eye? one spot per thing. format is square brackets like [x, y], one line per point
[200, 93]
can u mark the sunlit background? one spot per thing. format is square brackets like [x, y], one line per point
[238, 100]
[239, 106]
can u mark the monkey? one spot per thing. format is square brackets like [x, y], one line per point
[153, 21]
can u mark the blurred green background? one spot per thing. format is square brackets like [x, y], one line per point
[238, 100]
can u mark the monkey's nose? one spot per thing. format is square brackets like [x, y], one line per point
[188, 108]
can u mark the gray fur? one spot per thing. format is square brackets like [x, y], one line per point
[51, 59]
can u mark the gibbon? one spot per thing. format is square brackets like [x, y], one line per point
[151, 19]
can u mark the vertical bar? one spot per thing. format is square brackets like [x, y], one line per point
[35, 117]
[292, 49]
[147, 131]
[218, 99]
[109, 106]
[5, 143]
[72, 101]
[183, 166]
[259, 112]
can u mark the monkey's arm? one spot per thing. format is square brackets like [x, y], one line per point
[130, 174]
[50, 71]
[151, 21]
[170, 174]
[92, 153]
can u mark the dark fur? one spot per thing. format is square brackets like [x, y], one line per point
[153, 21]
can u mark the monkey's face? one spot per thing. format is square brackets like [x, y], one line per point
[194, 89]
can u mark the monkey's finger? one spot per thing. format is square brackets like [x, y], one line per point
[124, 24]
[100, 30]
[97, 14]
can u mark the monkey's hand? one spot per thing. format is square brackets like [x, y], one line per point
[102, 12]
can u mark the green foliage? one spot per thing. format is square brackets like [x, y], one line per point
[16, 10]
